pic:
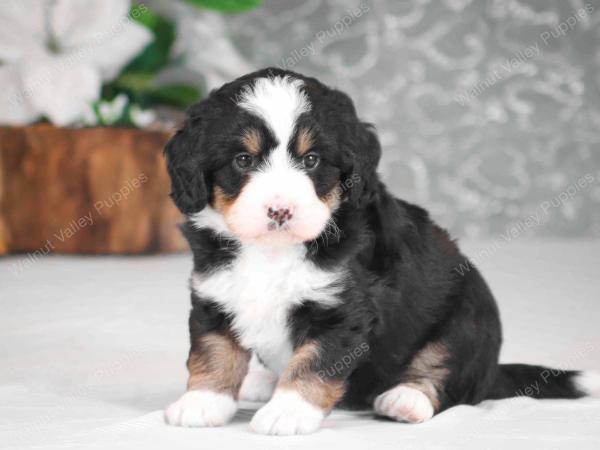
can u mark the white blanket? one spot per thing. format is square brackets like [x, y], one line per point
[92, 349]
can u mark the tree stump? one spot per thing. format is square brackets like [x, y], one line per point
[88, 190]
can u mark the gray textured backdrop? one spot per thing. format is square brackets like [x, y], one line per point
[488, 110]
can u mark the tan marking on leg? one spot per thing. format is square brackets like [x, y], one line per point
[305, 141]
[300, 376]
[218, 363]
[252, 141]
[427, 371]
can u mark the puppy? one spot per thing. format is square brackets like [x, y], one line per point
[340, 293]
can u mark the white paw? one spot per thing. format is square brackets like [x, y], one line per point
[259, 383]
[404, 403]
[287, 413]
[201, 409]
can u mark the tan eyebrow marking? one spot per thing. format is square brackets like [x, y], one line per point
[305, 141]
[252, 141]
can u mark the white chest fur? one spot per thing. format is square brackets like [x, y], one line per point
[259, 289]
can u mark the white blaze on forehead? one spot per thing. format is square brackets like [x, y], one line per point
[279, 182]
[279, 101]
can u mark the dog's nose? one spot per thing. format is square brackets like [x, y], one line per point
[279, 214]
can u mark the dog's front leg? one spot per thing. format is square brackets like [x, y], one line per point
[306, 392]
[217, 365]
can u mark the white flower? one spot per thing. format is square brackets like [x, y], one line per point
[89, 116]
[208, 49]
[141, 118]
[57, 53]
[204, 40]
[112, 111]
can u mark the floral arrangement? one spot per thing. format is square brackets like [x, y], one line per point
[108, 62]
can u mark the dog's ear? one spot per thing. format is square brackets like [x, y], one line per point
[359, 147]
[362, 155]
[189, 189]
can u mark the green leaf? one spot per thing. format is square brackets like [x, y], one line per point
[226, 6]
[178, 95]
[156, 55]
[138, 78]
[135, 82]
[143, 90]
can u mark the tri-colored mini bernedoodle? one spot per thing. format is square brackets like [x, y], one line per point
[314, 287]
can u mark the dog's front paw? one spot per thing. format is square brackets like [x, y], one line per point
[201, 409]
[287, 413]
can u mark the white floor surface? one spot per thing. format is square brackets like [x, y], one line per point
[92, 349]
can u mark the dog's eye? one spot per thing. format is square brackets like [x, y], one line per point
[244, 161]
[311, 160]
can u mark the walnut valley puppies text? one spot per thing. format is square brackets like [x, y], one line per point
[86, 220]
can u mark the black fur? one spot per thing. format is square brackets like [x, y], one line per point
[404, 287]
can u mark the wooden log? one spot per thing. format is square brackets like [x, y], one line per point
[88, 190]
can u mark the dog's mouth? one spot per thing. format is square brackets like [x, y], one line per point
[274, 226]
[278, 234]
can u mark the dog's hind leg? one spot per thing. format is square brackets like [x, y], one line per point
[458, 366]
[416, 399]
